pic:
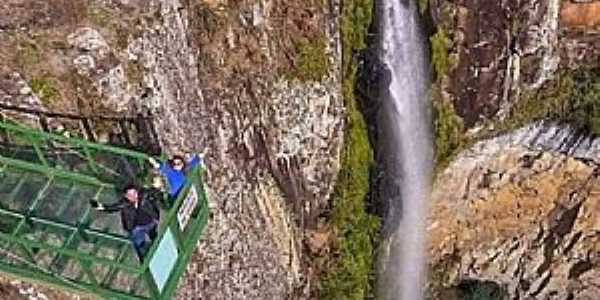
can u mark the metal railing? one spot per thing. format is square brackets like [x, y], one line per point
[50, 234]
[131, 132]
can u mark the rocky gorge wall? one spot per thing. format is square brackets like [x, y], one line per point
[516, 204]
[521, 210]
[236, 81]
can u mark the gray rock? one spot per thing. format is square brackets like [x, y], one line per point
[88, 39]
[534, 233]
[84, 64]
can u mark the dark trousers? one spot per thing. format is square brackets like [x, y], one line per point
[142, 237]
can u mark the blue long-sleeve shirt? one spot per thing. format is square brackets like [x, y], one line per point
[177, 179]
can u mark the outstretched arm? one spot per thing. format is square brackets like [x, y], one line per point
[112, 207]
[155, 164]
[194, 160]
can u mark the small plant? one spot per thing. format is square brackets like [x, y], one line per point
[441, 44]
[313, 62]
[45, 88]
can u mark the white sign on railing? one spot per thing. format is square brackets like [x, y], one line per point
[187, 207]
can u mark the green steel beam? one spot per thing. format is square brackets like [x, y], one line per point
[78, 233]
[38, 151]
[73, 141]
[27, 252]
[71, 253]
[59, 260]
[90, 159]
[87, 269]
[78, 287]
[93, 232]
[84, 179]
[94, 252]
[68, 199]
[26, 216]
[40, 195]
[15, 191]
[136, 285]
[67, 227]
[112, 273]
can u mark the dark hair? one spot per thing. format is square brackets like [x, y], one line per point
[131, 186]
[177, 157]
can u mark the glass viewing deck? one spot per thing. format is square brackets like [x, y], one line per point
[50, 234]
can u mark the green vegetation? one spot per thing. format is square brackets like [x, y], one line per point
[448, 126]
[313, 63]
[449, 134]
[585, 100]
[441, 45]
[352, 273]
[574, 97]
[423, 6]
[45, 88]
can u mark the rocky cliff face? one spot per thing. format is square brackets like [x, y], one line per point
[501, 51]
[518, 209]
[521, 210]
[217, 77]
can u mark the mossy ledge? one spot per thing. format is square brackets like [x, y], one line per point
[351, 271]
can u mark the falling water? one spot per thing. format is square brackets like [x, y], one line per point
[406, 150]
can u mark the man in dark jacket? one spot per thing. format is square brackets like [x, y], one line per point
[139, 216]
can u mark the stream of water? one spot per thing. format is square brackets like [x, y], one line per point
[407, 150]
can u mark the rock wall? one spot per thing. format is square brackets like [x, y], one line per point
[218, 78]
[500, 51]
[521, 210]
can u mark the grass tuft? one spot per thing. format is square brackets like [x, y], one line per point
[46, 89]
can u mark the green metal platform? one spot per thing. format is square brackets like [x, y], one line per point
[50, 234]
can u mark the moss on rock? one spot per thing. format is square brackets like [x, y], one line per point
[449, 132]
[45, 89]
[313, 62]
[352, 273]
[442, 62]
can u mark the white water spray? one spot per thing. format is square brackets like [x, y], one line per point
[407, 151]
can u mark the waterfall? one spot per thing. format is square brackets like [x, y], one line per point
[406, 151]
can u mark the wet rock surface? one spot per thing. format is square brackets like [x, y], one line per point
[521, 210]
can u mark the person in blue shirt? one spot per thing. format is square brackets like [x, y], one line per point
[175, 170]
